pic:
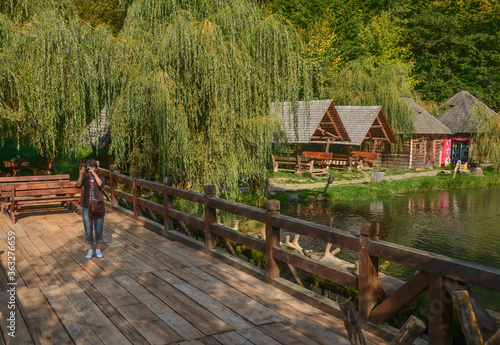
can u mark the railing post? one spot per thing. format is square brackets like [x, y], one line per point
[440, 318]
[210, 216]
[168, 203]
[368, 270]
[112, 184]
[272, 239]
[137, 193]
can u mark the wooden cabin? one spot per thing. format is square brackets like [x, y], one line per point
[457, 119]
[314, 126]
[366, 126]
[424, 149]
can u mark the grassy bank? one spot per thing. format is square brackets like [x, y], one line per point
[372, 191]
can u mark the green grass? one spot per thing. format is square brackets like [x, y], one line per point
[372, 191]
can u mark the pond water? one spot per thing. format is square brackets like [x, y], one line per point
[463, 224]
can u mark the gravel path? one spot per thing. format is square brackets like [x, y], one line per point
[276, 185]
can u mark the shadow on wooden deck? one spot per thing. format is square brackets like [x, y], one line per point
[145, 290]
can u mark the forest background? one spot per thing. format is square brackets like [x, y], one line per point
[177, 76]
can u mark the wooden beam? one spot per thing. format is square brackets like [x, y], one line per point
[486, 323]
[352, 324]
[440, 312]
[468, 320]
[404, 295]
[409, 332]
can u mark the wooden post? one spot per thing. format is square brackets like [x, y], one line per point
[368, 270]
[440, 312]
[168, 203]
[467, 317]
[272, 239]
[352, 325]
[409, 332]
[112, 184]
[210, 217]
[137, 193]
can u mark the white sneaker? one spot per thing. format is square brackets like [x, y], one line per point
[98, 253]
[90, 253]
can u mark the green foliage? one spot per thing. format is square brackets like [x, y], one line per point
[487, 136]
[201, 79]
[456, 47]
[55, 77]
[189, 84]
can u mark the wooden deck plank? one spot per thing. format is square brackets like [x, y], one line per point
[93, 269]
[148, 259]
[312, 330]
[232, 338]
[206, 322]
[180, 325]
[127, 329]
[43, 271]
[29, 246]
[31, 279]
[40, 245]
[93, 316]
[21, 335]
[148, 289]
[120, 262]
[134, 260]
[287, 335]
[247, 307]
[41, 320]
[117, 295]
[151, 328]
[58, 270]
[70, 317]
[218, 309]
[258, 337]
[267, 298]
[268, 289]
[73, 268]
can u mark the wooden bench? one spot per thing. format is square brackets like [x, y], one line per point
[42, 192]
[320, 161]
[361, 157]
[6, 182]
[293, 163]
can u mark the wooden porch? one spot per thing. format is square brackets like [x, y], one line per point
[145, 290]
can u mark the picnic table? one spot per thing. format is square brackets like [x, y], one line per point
[15, 165]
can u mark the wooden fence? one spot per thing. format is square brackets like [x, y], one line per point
[437, 274]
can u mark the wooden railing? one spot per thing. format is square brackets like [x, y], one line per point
[440, 275]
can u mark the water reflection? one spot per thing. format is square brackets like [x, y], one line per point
[463, 224]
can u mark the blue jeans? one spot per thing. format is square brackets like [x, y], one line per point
[89, 225]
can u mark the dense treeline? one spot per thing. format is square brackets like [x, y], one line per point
[452, 45]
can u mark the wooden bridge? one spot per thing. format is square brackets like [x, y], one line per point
[145, 290]
[174, 288]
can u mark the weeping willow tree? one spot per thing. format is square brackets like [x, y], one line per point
[200, 79]
[56, 75]
[487, 136]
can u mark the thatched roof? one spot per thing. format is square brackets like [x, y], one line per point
[457, 117]
[365, 123]
[316, 122]
[98, 132]
[424, 122]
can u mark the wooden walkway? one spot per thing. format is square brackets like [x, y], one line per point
[145, 290]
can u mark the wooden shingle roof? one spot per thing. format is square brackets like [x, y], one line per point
[424, 122]
[316, 122]
[365, 123]
[457, 117]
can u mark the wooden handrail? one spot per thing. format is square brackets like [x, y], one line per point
[434, 269]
